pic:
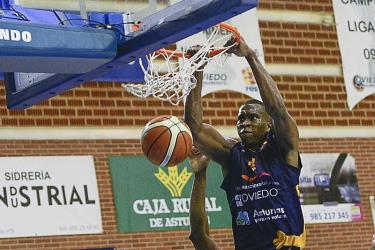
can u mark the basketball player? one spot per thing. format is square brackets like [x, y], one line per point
[199, 234]
[261, 171]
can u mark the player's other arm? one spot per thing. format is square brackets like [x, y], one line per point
[284, 126]
[199, 227]
[209, 141]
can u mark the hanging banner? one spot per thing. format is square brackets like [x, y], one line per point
[151, 198]
[54, 195]
[235, 74]
[356, 35]
[329, 188]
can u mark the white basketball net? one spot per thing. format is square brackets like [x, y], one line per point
[169, 79]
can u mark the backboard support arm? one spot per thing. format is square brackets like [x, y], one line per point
[83, 9]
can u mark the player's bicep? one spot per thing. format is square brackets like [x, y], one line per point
[211, 143]
[287, 137]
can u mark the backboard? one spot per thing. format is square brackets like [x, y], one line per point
[139, 27]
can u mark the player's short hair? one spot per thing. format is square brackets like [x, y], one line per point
[252, 101]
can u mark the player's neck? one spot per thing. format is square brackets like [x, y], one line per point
[254, 148]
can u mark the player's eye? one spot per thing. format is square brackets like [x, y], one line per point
[241, 118]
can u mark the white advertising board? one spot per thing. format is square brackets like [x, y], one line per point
[329, 188]
[53, 195]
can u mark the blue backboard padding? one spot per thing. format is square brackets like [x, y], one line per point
[98, 18]
[124, 73]
[73, 19]
[139, 46]
[173, 31]
[54, 49]
[38, 16]
[4, 4]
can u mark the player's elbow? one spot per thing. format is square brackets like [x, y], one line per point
[195, 127]
[193, 237]
[197, 133]
[194, 121]
[196, 238]
[195, 130]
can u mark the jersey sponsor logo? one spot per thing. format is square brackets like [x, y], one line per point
[15, 35]
[252, 164]
[264, 215]
[268, 212]
[251, 180]
[257, 185]
[238, 201]
[258, 195]
[243, 218]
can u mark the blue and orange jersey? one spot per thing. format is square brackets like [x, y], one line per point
[263, 196]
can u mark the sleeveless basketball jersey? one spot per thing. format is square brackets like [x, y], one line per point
[263, 196]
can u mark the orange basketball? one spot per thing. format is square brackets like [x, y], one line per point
[166, 140]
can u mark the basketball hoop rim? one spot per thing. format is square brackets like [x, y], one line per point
[179, 54]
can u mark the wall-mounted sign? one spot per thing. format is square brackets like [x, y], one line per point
[148, 198]
[54, 195]
[329, 188]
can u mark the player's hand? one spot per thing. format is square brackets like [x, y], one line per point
[373, 243]
[198, 161]
[193, 51]
[241, 50]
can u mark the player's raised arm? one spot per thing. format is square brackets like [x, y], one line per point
[283, 125]
[199, 229]
[206, 137]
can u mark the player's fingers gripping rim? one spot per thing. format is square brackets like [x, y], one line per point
[233, 44]
[193, 50]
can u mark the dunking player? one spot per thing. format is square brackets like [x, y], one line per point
[199, 234]
[261, 172]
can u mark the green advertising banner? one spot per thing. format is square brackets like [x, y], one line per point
[151, 198]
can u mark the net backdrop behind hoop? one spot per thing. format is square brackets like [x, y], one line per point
[170, 79]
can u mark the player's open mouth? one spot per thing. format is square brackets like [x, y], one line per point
[246, 132]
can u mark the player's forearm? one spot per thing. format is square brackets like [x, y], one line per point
[268, 90]
[193, 106]
[198, 216]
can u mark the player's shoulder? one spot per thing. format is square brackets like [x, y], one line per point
[232, 145]
[231, 142]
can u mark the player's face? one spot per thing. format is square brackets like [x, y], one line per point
[252, 124]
